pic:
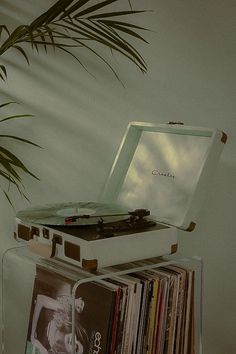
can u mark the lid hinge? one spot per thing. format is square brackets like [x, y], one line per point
[224, 138]
[191, 226]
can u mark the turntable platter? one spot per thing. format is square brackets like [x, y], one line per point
[82, 213]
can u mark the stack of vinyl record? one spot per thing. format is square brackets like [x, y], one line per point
[146, 312]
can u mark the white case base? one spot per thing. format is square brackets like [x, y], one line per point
[98, 253]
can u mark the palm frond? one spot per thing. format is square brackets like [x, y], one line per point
[71, 10]
[18, 139]
[8, 198]
[120, 43]
[113, 14]
[11, 167]
[105, 36]
[3, 72]
[93, 8]
[22, 52]
[14, 160]
[121, 23]
[78, 40]
[6, 104]
[92, 22]
[123, 28]
[16, 116]
[7, 165]
[4, 27]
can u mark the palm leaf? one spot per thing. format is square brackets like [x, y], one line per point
[6, 104]
[16, 116]
[73, 8]
[135, 53]
[8, 198]
[87, 20]
[94, 8]
[74, 56]
[22, 52]
[4, 70]
[119, 44]
[15, 161]
[52, 13]
[106, 38]
[57, 45]
[19, 139]
[6, 163]
[123, 24]
[112, 14]
[98, 55]
[32, 36]
[12, 181]
[7, 177]
[125, 30]
[49, 32]
[17, 34]
[11, 165]
[43, 38]
[4, 27]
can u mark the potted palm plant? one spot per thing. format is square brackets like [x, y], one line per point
[66, 26]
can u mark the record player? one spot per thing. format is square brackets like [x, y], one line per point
[156, 186]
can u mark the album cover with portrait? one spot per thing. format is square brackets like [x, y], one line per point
[50, 322]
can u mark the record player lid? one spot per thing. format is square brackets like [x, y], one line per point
[165, 168]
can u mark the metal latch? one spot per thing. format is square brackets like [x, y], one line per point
[176, 123]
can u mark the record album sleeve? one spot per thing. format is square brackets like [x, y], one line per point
[50, 322]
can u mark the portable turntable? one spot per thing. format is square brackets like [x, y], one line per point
[156, 186]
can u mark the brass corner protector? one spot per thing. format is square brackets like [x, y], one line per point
[72, 250]
[191, 226]
[174, 248]
[90, 264]
[24, 232]
[224, 138]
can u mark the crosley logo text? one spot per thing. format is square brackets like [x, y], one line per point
[164, 174]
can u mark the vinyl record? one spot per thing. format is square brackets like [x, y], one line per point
[71, 214]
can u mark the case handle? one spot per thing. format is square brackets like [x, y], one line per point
[44, 250]
[41, 249]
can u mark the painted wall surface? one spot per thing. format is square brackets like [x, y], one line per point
[80, 119]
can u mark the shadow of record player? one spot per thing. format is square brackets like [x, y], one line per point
[156, 186]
